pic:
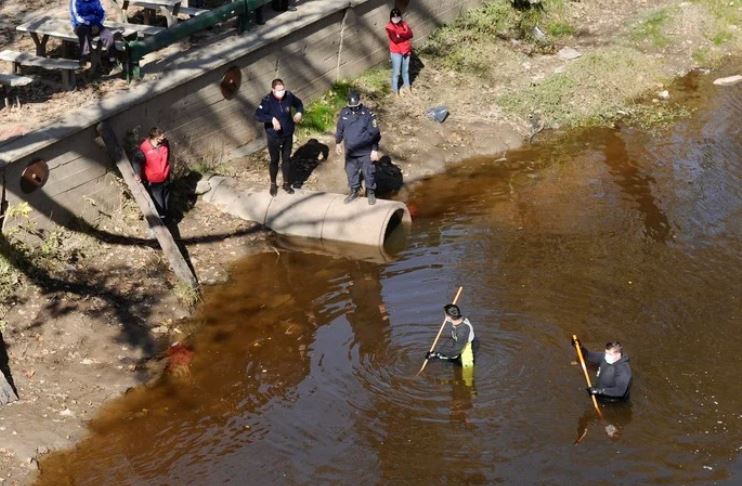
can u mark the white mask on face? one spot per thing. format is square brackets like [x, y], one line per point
[279, 93]
[396, 20]
[611, 358]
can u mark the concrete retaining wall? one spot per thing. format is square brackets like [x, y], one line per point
[181, 94]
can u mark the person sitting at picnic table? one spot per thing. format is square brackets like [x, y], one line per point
[87, 18]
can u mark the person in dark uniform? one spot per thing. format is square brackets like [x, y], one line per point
[274, 112]
[358, 130]
[614, 373]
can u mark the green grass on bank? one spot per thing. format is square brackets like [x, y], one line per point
[650, 29]
[725, 11]
[320, 115]
[595, 89]
[463, 45]
[26, 250]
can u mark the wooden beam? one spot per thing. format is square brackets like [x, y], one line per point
[144, 201]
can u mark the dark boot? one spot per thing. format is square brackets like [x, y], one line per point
[287, 187]
[352, 195]
[371, 197]
[273, 189]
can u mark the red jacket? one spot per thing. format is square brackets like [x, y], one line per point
[156, 162]
[399, 37]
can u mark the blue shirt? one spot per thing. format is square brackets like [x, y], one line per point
[88, 12]
[360, 131]
[271, 107]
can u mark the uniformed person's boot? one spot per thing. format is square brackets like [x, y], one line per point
[273, 189]
[287, 187]
[352, 195]
[371, 197]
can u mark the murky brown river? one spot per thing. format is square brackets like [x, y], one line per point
[304, 372]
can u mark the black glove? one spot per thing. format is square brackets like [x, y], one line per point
[432, 355]
[594, 391]
[573, 341]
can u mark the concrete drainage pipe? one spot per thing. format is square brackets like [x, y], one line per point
[310, 214]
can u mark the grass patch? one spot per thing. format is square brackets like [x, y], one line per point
[661, 115]
[725, 11]
[54, 250]
[651, 29]
[320, 116]
[559, 29]
[707, 56]
[186, 294]
[721, 38]
[460, 45]
[593, 90]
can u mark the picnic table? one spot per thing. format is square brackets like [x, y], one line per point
[42, 28]
[168, 8]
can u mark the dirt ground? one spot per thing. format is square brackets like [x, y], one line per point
[94, 327]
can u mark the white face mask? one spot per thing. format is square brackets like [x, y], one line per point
[279, 93]
[396, 20]
[611, 358]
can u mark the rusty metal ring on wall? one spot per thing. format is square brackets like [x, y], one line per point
[231, 81]
[34, 176]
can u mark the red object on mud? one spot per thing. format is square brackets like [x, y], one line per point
[179, 355]
[412, 209]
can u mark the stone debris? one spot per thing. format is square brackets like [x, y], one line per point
[567, 53]
[728, 81]
[202, 187]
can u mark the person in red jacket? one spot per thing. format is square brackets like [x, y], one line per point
[152, 164]
[400, 48]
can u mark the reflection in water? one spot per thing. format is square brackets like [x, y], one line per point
[616, 417]
[304, 369]
[367, 314]
[634, 184]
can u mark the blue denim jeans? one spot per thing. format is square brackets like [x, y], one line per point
[400, 62]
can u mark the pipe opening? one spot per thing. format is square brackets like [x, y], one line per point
[394, 222]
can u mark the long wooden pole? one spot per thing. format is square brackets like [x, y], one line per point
[435, 341]
[584, 370]
[144, 201]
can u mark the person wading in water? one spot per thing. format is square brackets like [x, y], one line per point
[614, 373]
[458, 345]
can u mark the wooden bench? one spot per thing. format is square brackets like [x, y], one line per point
[66, 67]
[10, 81]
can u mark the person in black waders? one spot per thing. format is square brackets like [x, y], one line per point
[358, 130]
[614, 373]
[274, 111]
[457, 341]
